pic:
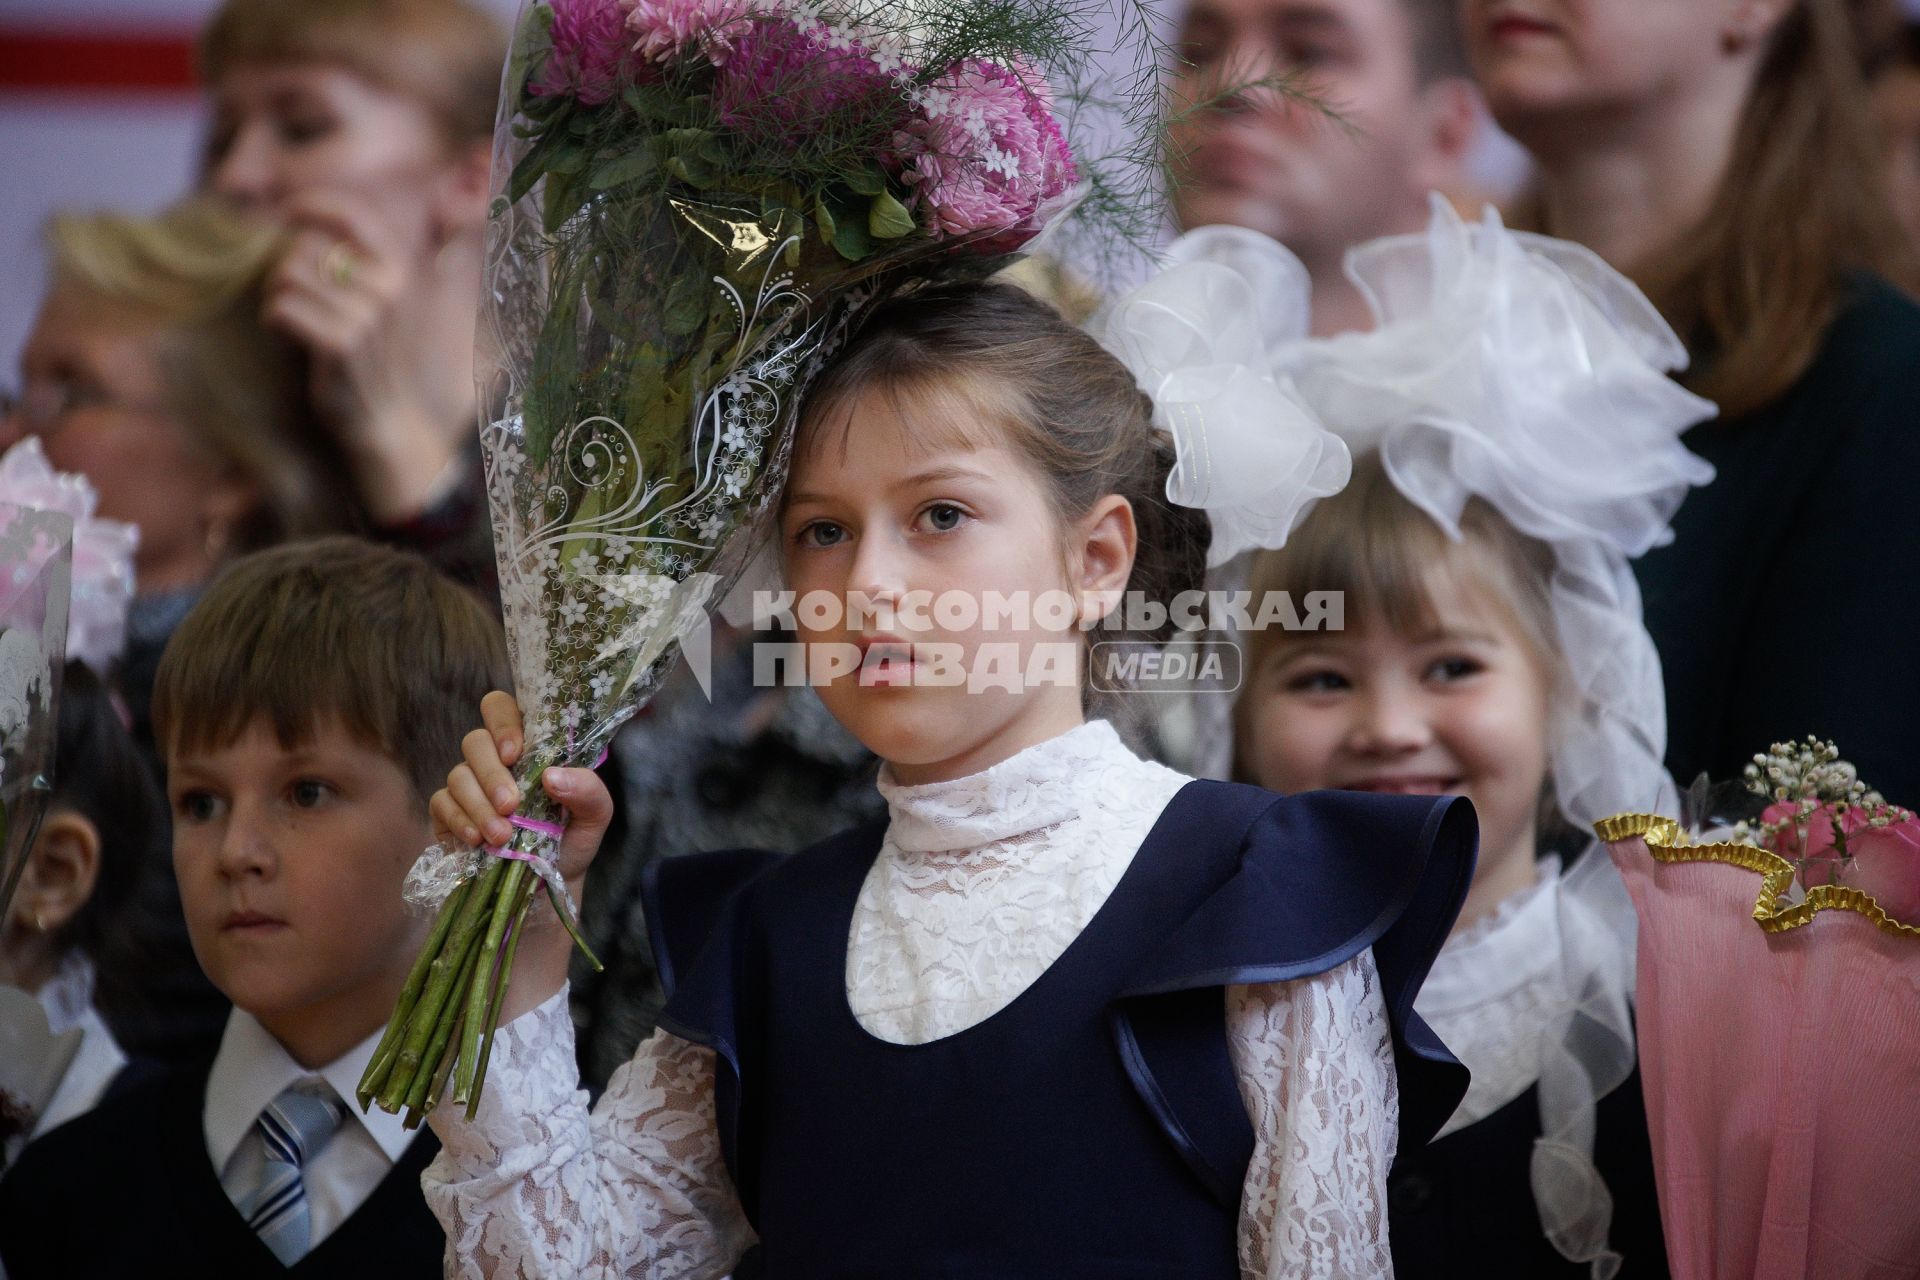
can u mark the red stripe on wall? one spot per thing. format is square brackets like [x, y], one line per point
[46, 61]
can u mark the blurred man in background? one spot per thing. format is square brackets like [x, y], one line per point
[1395, 119]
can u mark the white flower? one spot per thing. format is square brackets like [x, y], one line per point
[601, 684]
[509, 458]
[735, 437]
[736, 482]
[935, 101]
[573, 612]
[584, 563]
[618, 549]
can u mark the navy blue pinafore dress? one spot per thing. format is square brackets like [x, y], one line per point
[1091, 1128]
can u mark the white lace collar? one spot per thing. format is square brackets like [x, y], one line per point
[1027, 792]
[1515, 945]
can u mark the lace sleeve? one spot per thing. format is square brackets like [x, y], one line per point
[536, 1188]
[1314, 1058]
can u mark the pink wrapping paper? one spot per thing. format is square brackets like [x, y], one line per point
[1782, 1079]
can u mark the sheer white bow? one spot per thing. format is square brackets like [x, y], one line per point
[1516, 369]
[1205, 338]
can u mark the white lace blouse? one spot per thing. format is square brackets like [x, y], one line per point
[980, 884]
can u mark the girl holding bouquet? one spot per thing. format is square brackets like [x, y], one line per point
[1516, 443]
[1065, 1012]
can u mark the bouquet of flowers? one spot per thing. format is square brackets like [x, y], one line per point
[1780, 1029]
[697, 201]
[1835, 831]
[36, 562]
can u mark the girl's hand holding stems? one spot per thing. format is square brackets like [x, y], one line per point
[474, 807]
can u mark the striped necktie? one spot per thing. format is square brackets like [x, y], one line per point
[292, 1130]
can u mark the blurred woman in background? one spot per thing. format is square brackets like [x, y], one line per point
[149, 372]
[364, 128]
[1720, 152]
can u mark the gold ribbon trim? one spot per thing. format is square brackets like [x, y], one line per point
[1667, 843]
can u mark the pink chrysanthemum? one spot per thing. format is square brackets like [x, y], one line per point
[590, 52]
[780, 82]
[662, 28]
[987, 154]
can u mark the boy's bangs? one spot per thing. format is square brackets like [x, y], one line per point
[265, 672]
[332, 632]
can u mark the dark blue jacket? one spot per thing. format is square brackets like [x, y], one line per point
[1092, 1127]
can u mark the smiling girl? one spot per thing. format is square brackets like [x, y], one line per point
[1441, 683]
[1066, 1012]
[1515, 442]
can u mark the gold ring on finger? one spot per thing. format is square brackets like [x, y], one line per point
[337, 265]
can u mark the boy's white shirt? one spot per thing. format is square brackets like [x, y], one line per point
[251, 1070]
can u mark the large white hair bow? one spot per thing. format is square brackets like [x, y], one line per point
[1205, 338]
[1526, 372]
[102, 552]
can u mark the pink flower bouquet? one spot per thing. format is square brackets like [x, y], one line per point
[697, 201]
[1778, 1006]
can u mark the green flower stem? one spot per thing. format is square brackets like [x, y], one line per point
[572, 927]
[381, 1064]
[498, 994]
[439, 986]
[443, 1021]
[443, 1032]
[503, 899]
[437, 1089]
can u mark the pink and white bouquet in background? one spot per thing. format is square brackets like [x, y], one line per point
[1833, 827]
[696, 202]
[102, 579]
[36, 575]
[1778, 1007]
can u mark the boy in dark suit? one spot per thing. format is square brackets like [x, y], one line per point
[304, 708]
